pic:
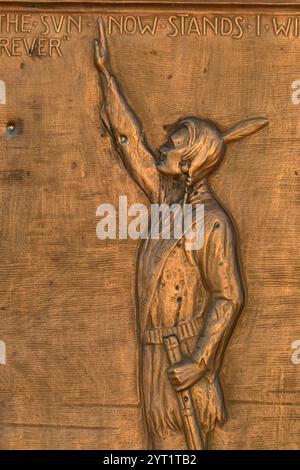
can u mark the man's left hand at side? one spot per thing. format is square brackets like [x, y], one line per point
[185, 373]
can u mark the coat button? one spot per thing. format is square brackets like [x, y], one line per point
[123, 139]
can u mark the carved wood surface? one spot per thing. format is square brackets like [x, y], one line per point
[67, 312]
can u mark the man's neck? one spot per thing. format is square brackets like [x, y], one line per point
[198, 191]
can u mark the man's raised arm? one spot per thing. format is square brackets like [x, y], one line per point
[124, 127]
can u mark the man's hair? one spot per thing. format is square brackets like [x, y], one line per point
[205, 148]
[207, 143]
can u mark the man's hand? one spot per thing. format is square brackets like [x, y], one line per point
[101, 50]
[185, 373]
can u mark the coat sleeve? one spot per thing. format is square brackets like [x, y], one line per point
[129, 141]
[222, 279]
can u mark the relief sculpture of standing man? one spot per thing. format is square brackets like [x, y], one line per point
[194, 295]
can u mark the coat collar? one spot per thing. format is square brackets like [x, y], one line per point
[199, 192]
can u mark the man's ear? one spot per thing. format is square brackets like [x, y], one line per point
[185, 166]
[199, 159]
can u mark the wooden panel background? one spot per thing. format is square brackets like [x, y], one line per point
[67, 311]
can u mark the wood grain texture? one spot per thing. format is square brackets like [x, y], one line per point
[67, 299]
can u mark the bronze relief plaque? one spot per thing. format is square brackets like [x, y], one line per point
[149, 182]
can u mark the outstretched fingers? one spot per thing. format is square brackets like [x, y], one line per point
[102, 37]
[97, 47]
[97, 53]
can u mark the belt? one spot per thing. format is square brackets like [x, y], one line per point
[183, 331]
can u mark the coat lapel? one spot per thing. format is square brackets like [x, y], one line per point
[151, 261]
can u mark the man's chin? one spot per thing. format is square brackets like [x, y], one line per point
[164, 171]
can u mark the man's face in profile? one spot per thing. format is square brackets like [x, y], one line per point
[171, 153]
